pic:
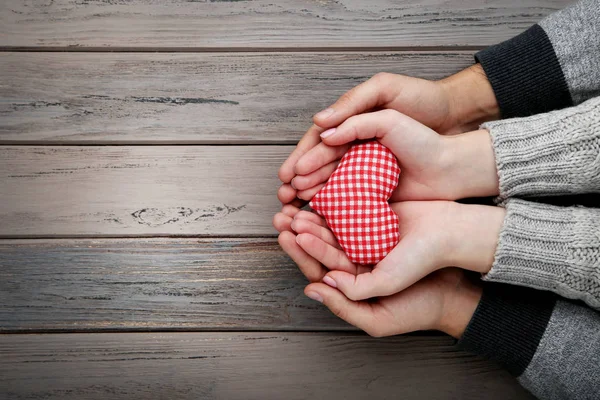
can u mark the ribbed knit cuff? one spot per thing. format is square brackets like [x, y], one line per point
[552, 154]
[508, 325]
[550, 248]
[525, 74]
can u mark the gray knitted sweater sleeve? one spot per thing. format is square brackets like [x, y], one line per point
[574, 34]
[543, 246]
[551, 154]
[550, 248]
[566, 364]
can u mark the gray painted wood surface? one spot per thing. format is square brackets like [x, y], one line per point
[154, 284]
[266, 24]
[95, 143]
[187, 98]
[245, 366]
[139, 190]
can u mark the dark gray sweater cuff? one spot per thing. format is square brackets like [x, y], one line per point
[526, 75]
[508, 325]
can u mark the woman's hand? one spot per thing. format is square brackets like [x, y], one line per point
[433, 235]
[453, 105]
[434, 167]
[444, 300]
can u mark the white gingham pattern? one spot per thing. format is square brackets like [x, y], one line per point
[354, 202]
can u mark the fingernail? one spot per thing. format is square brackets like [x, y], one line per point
[328, 133]
[325, 113]
[315, 296]
[329, 281]
[293, 226]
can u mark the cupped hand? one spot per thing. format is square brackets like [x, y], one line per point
[444, 300]
[433, 235]
[453, 105]
[434, 167]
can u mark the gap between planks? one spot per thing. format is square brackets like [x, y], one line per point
[143, 236]
[83, 49]
[175, 142]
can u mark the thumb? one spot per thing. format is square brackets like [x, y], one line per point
[375, 283]
[407, 263]
[362, 98]
[350, 311]
[392, 129]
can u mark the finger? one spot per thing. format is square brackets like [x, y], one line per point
[309, 193]
[309, 140]
[364, 97]
[286, 193]
[358, 314]
[303, 182]
[393, 129]
[318, 157]
[282, 222]
[305, 226]
[407, 263]
[290, 210]
[311, 268]
[310, 216]
[360, 286]
[329, 256]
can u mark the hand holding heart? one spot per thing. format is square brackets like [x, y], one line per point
[434, 235]
[445, 300]
[434, 167]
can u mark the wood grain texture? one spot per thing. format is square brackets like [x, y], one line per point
[139, 190]
[245, 366]
[264, 23]
[186, 98]
[154, 284]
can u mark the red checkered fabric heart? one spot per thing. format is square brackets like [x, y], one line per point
[354, 202]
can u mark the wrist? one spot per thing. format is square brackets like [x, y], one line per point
[471, 97]
[460, 303]
[470, 164]
[474, 236]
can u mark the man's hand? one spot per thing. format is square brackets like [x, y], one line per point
[434, 167]
[444, 300]
[453, 105]
[433, 236]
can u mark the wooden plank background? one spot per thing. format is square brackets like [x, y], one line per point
[198, 98]
[139, 190]
[154, 284]
[265, 23]
[245, 366]
[139, 148]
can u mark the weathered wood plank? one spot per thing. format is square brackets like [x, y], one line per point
[139, 190]
[186, 98]
[264, 23]
[154, 284]
[245, 366]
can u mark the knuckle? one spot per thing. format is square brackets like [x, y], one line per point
[346, 99]
[277, 221]
[382, 77]
[281, 238]
[390, 114]
[288, 209]
[351, 126]
[304, 195]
